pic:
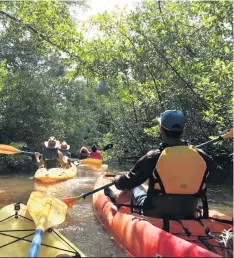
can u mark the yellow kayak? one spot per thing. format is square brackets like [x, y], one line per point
[89, 163]
[17, 230]
[55, 174]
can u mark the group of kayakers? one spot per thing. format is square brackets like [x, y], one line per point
[55, 154]
[94, 154]
[176, 172]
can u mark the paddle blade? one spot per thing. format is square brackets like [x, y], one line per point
[7, 149]
[71, 201]
[108, 146]
[229, 134]
[46, 211]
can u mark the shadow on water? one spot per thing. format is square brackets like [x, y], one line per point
[81, 227]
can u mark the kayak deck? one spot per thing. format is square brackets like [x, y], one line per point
[17, 230]
[144, 236]
[55, 174]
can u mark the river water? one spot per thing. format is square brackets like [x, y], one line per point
[81, 227]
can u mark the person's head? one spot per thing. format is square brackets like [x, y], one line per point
[52, 143]
[94, 148]
[64, 146]
[84, 150]
[172, 124]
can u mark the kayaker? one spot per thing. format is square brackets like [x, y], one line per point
[64, 148]
[176, 174]
[84, 153]
[51, 156]
[95, 153]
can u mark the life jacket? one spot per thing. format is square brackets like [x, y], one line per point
[95, 155]
[179, 180]
[65, 152]
[50, 157]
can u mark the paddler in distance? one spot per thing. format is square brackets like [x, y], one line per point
[84, 153]
[95, 153]
[64, 148]
[176, 173]
[51, 156]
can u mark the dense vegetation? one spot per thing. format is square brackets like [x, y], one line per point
[106, 80]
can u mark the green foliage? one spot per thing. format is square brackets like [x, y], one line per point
[111, 85]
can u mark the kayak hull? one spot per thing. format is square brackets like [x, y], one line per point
[142, 236]
[54, 175]
[17, 231]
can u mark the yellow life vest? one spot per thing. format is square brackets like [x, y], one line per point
[180, 170]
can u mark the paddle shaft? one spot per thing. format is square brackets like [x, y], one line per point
[41, 227]
[220, 138]
[84, 195]
[27, 152]
[36, 243]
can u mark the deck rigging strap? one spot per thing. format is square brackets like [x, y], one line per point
[16, 215]
[225, 240]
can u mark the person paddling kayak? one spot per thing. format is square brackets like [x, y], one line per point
[95, 153]
[51, 156]
[84, 153]
[176, 174]
[64, 148]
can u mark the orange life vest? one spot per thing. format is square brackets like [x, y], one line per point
[180, 170]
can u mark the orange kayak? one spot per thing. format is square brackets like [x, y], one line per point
[142, 236]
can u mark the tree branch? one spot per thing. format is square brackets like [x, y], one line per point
[41, 36]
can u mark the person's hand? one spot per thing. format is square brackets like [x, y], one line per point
[65, 159]
[37, 155]
[60, 155]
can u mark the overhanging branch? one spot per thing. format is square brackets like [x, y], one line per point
[41, 36]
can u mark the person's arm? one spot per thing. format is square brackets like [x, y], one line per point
[216, 173]
[142, 170]
[61, 160]
[39, 162]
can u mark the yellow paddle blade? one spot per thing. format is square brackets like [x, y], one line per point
[229, 134]
[92, 163]
[46, 211]
[7, 149]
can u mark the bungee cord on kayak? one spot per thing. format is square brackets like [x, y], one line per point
[17, 234]
[205, 240]
[193, 231]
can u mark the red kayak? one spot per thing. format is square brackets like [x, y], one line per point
[142, 236]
